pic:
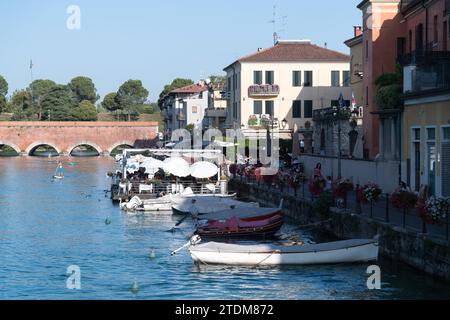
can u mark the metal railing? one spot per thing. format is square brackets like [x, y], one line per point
[157, 188]
[381, 210]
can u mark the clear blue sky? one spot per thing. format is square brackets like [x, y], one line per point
[155, 41]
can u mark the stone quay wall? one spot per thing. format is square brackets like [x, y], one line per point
[420, 251]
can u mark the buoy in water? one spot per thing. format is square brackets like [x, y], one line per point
[108, 221]
[135, 287]
[152, 255]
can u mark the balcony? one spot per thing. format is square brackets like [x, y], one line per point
[262, 121]
[424, 57]
[263, 90]
[216, 113]
[426, 79]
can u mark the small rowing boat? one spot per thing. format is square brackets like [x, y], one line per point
[347, 251]
[248, 222]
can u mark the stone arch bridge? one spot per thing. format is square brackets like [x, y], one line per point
[64, 137]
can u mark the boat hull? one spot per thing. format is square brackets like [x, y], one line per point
[362, 253]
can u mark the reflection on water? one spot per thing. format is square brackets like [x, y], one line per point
[46, 226]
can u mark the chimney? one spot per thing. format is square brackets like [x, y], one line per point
[260, 49]
[357, 31]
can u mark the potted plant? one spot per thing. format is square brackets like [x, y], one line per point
[342, 187]
[434, 210]
[317, 186]
[252, 121]
[404, 199]
[369, 193]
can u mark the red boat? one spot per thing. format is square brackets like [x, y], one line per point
[247, 223]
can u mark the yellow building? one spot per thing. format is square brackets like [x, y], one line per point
[426, 114]
[426, 142]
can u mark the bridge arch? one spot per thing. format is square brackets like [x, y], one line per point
[120, 143]
[12, 145]
[34, 145]
[85, 143]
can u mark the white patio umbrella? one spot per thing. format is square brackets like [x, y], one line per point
[152, 163]
[203, 170]
[177, 166]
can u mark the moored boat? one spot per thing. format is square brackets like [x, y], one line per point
[165, 203]
[248, 222]
[206, 205]
[347, 251]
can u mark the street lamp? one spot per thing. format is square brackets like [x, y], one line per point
[337, 113]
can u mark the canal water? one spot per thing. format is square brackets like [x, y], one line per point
[47, 226]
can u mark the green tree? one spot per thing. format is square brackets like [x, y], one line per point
[83, 89]
[176, 84]
[131, 94]
[85, 111]
[218, 78]
[21, 106]
[109, 102]
[39, 89]
[3, 104]
[3, 93]
[3, 86]
[59, 104]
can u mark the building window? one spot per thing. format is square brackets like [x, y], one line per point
[269, 77]
[410, 41]
[257, 107]
[431, 160]
[335, 79]
[229, 84]
[445, 162]
[435, 30]
[445, 34]
[308, 111]
[367, 50]
[308, 79]
[367, 96]
[419, 37]
[401, 47]
[269, 108]
[416, 155]
[431, 134]
[296, 78]
[257, 77]
[346, 78]
[296, 109]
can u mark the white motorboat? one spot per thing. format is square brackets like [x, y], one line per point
[347, 251]
[165, 203]
[206, 205]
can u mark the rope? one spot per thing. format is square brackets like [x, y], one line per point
[271, 254]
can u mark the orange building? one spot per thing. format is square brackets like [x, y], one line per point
[381, 29]
[415, 35]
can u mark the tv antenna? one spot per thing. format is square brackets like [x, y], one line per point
[274, 23]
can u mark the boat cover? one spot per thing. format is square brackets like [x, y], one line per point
[241, 213]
